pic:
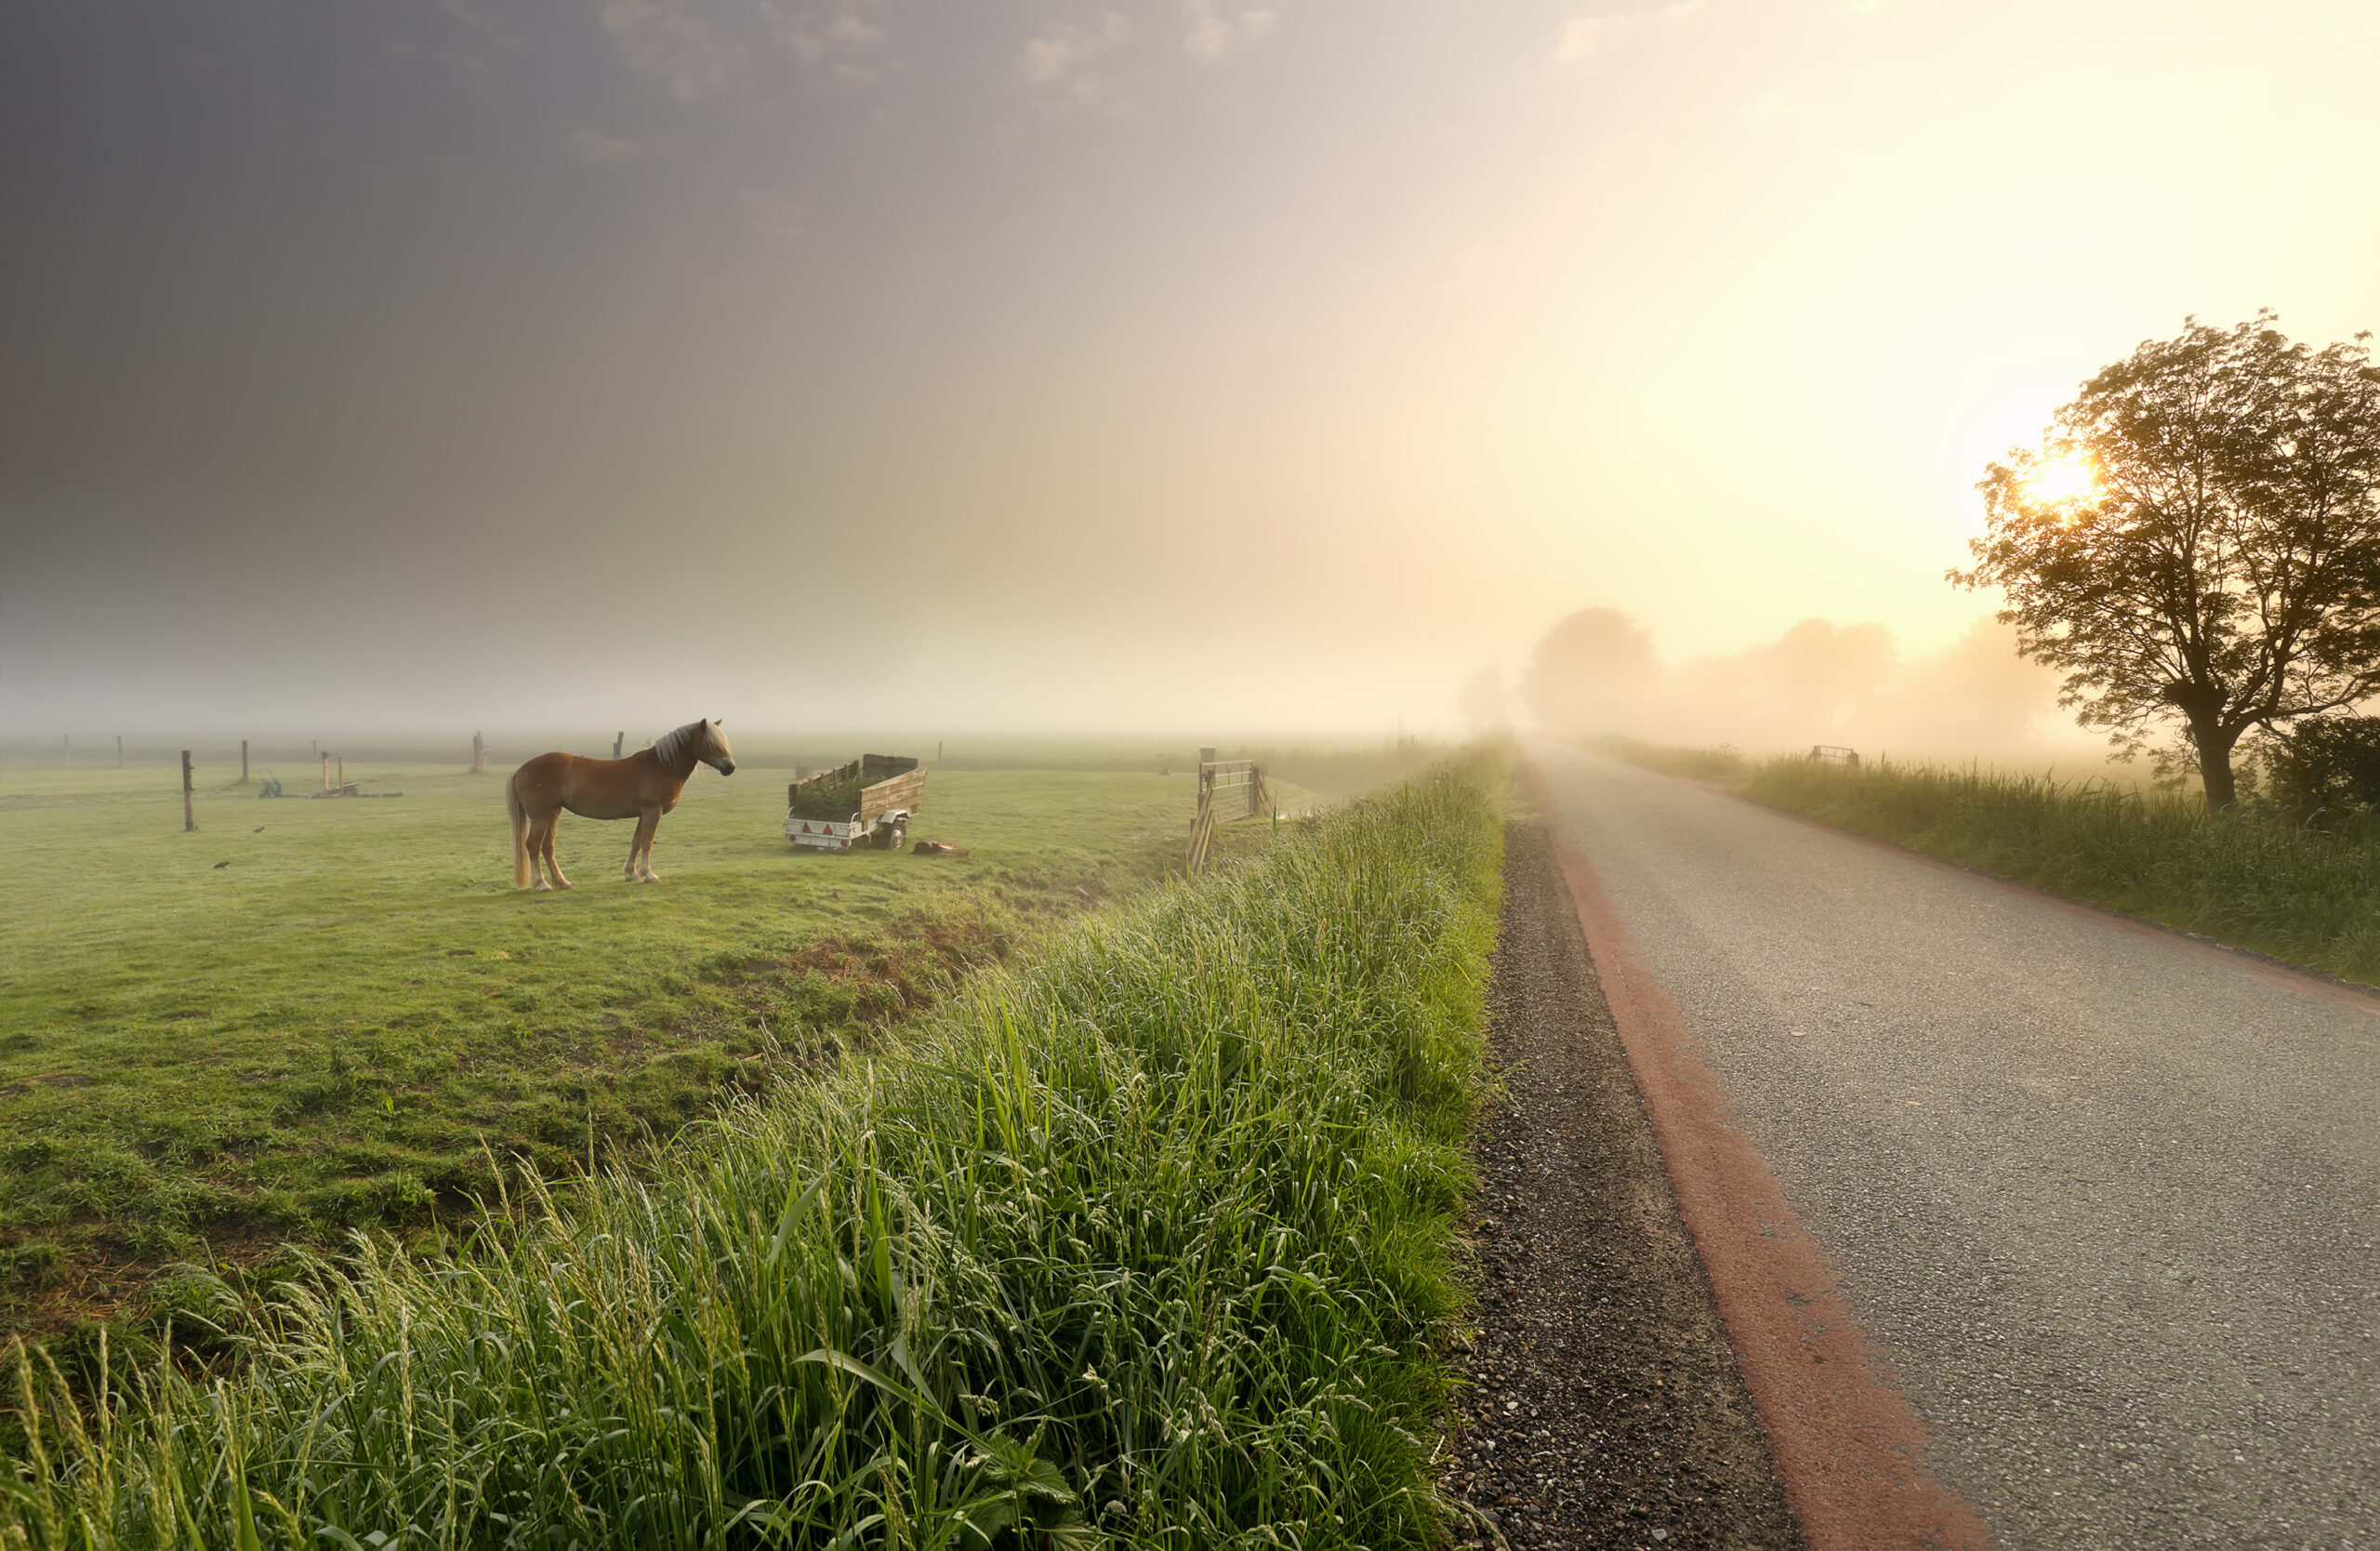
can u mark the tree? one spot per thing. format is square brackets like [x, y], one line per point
[2197, 540]
[1591, 673]
[1820, 672]
[1482, 702]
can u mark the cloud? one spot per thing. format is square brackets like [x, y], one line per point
[1060, 63]
[463, 11]
[1584, 38]
[1780, 105]
[670, 41]
[767, 211]
[838, 37]
[597, 148]
[1214, 30]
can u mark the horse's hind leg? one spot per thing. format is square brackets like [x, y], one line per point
[533, 840]
[538, 829]
[547, 851]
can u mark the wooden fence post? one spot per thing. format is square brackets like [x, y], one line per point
[190, 814]
[478, 757]
[244, 761]
[1202, 828]
[119, 752]
[618, 740]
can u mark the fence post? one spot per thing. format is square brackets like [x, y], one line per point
[244, 761]
[119, 751]
[618, 739]
[1202, 825]
[190, 814]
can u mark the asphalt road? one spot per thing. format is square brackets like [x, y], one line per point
[2105, 1200]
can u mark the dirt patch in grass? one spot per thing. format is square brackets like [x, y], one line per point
[871, 977]
[1604, 1407]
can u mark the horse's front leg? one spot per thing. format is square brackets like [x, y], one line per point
[639, 867]
[652, 828]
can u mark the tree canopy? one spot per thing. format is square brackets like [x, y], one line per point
[2195, 544]
[1591, 673]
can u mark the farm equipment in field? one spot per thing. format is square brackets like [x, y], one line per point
[1829, 753]
[868, 803]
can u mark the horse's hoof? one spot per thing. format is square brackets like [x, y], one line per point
[544, 887]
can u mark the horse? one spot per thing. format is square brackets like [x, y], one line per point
[642, 787]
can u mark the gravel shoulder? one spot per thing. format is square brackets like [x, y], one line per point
[1604, 1405]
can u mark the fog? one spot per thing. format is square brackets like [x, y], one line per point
[1180, 369]
[1599, 672]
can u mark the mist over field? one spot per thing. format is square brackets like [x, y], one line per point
[1598, 671]
[1085, 776]
[1194, 369]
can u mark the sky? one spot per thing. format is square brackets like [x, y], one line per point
[1031, 365]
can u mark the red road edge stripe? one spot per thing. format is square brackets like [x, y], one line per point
[1848, 1448]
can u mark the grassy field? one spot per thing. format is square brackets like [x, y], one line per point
[1148, 1241]
[2307, 895]
[314, 1015]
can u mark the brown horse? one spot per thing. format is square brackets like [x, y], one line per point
[642, 787]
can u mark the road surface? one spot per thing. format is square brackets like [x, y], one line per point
[2100, 1200]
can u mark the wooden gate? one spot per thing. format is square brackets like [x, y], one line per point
[1218, 781]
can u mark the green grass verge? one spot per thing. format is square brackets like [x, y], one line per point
[341, 1026]
[2311, 897]
[1147, 1243]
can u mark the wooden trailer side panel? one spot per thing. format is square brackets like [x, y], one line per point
[906, 791]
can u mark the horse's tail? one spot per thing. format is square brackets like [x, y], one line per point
[520, 831]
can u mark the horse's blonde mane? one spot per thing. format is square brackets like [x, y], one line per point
[670, 747]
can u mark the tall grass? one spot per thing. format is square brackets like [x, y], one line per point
[1148, 1243]
[2306, 894]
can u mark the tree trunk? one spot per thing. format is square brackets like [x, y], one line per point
[2214, 766]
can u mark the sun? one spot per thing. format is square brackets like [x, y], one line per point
[2060, 480]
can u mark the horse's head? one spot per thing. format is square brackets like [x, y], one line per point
[714, 751]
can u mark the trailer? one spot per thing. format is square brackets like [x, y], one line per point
[868, 803]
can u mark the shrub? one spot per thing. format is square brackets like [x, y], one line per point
[2324, 763]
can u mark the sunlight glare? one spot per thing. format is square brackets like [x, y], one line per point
[2061, 480]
